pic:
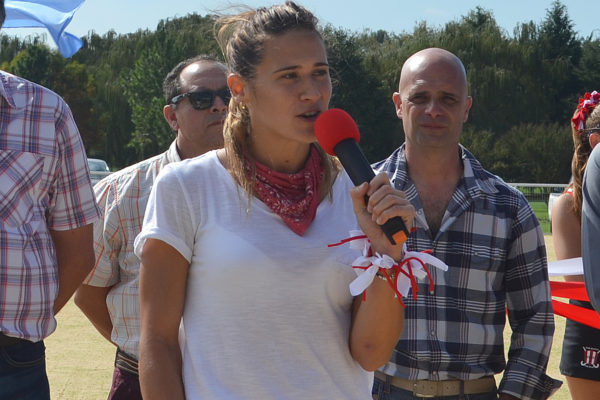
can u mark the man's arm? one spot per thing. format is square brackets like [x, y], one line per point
[590, 228]
[92, 302]
[108, 245]
[529, 305]
[75, 257]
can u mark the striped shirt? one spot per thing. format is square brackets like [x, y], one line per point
[122, 197]
[494, 247]
[44, 185]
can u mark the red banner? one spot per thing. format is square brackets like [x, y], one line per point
[574, 291]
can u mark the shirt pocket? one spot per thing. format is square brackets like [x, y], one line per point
[20, 181]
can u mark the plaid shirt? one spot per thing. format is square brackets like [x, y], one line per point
[122, 197]
[494, 247]
[44, 185]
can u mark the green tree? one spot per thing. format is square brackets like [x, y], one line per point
[142, 87]
[561, 55]
[173, 41]
[534, 153]
[108, 57]
[34, 64]
[73, 82]
[358, 90]
[588, 71]
[525, 86]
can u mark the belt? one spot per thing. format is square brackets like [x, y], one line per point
[426, 388]
[10, 340]
[126, 362]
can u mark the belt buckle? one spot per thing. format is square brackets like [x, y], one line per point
[425, 389]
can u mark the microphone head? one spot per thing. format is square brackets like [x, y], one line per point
[334, 125]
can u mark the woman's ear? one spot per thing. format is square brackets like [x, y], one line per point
[237, 86]
[594, 138]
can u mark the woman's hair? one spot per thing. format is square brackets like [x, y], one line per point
[582, 152]
[242, 40]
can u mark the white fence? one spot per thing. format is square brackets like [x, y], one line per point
[541, 192]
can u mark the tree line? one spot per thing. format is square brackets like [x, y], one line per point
[525, 85]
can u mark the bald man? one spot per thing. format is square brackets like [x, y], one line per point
[197, 98]
[452, 344]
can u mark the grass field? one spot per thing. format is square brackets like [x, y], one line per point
[540, 208]
[80, 361]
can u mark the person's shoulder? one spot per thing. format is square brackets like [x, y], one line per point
[392, 159]
[191, 170]
[492, 184]
[207, 160]
[591, 181]
[140, 168]
[342, 182]
[565, 221]
[15, 82]
[394, 165]
[479, 172]
[594, 158]
[502, 187]
[21, 89]
[564, 203]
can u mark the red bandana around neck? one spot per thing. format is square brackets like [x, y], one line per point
[294, 197]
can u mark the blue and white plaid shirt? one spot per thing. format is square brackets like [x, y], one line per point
[494, 247]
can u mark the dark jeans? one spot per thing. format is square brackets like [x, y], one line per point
[23, 371]
[125, 383]
[388, 392]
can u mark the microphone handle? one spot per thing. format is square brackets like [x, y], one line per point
[359, 170]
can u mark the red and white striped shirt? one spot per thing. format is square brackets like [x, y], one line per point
[44, 185]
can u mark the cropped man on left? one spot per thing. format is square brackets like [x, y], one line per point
[47, 208]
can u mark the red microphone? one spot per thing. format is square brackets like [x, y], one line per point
[338, 135]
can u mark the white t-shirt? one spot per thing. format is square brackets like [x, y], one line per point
[267, 312]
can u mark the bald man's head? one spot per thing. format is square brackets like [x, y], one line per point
[427, 58]
[433, 100]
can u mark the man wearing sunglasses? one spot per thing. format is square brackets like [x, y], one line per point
[197, 98]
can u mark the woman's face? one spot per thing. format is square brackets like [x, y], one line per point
[291, 88]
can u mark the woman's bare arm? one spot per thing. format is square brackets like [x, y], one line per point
[163, 276]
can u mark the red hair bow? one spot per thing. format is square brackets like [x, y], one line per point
[585, 108]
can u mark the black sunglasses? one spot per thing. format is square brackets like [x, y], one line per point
[204, 99]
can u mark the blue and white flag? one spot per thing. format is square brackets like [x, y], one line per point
[53, 15]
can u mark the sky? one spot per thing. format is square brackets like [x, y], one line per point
[398, 16]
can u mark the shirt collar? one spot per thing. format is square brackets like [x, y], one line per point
[5, 88]
[477, 180]
[172, 154]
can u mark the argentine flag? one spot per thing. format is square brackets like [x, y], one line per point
[53, 15]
